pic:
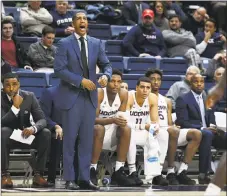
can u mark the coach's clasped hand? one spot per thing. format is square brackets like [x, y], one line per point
[103, 81]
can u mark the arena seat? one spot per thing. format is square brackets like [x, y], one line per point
[167, 82]
[117, 62]
[100, 31]
[113, 48]
[26, 41]
[131, 79]
[32, 81]
[118, 29]
[13, 11]
[139, 65]
[53, 80]
[173, 66]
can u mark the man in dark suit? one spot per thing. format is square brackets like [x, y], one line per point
[132, 11]
[75, 64]
[16, 107]
[191, 113]
[53, 118]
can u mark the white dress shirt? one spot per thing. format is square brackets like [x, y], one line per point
[199, 100]
[85, 41]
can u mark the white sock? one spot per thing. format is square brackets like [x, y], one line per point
[132, 168]
[170, 170]
[183, 166]
[212, 190]
[119, 165]
[94, 166]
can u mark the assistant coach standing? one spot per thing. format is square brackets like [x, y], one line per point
[75, 64]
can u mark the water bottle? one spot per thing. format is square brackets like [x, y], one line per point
[105, 181]
[151, 155]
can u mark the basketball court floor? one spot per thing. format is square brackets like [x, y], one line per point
[145, 190]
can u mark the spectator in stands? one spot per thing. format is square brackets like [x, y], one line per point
[53, 117]
[62, 19]
[210, 42]
[124, 85]
[181, 87]
[41, 54]
[132, 11]
[12, 52]
[195, 22]
[220, 13]
[145, 39]
[218, 74]
[160, 19]
[179, 42]
[174, 9]
[191, 113]
[219, 60]
[33, 18]
[17, 106]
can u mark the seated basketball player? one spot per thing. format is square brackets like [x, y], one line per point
[143, 107]
[111, 129]
[189, 137]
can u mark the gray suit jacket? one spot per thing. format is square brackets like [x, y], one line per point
[29, 106]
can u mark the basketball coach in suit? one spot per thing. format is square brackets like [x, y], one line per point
[16, 107]
[192, 113]
[75, 64]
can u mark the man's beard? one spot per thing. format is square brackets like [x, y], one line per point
[147, 26]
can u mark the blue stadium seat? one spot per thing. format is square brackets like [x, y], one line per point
[209, 84]
[26, 41]
[174, 66]
[56, 40]
[117, 62]
[32, 81]
[100, 31]
[167, 82]
[131, 80]
[53, 80]
[114, 48]
[13, 11]
[139, 65]
[118, 29]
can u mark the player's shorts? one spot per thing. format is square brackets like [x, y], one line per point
[110, 138]
[182, 139]
[140, 136]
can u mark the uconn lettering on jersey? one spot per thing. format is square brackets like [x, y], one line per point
[105, 113]
[149, 36]
[142, 113]
[162, 107]
[65, 20]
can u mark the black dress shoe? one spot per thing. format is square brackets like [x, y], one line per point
[205, 180]
[51, 183]
[71, 185]
[88, 185]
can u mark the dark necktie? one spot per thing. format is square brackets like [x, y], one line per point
[84, 58]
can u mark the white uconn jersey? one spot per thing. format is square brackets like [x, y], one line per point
[139, 115]
[107, 111]
[162, 111]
